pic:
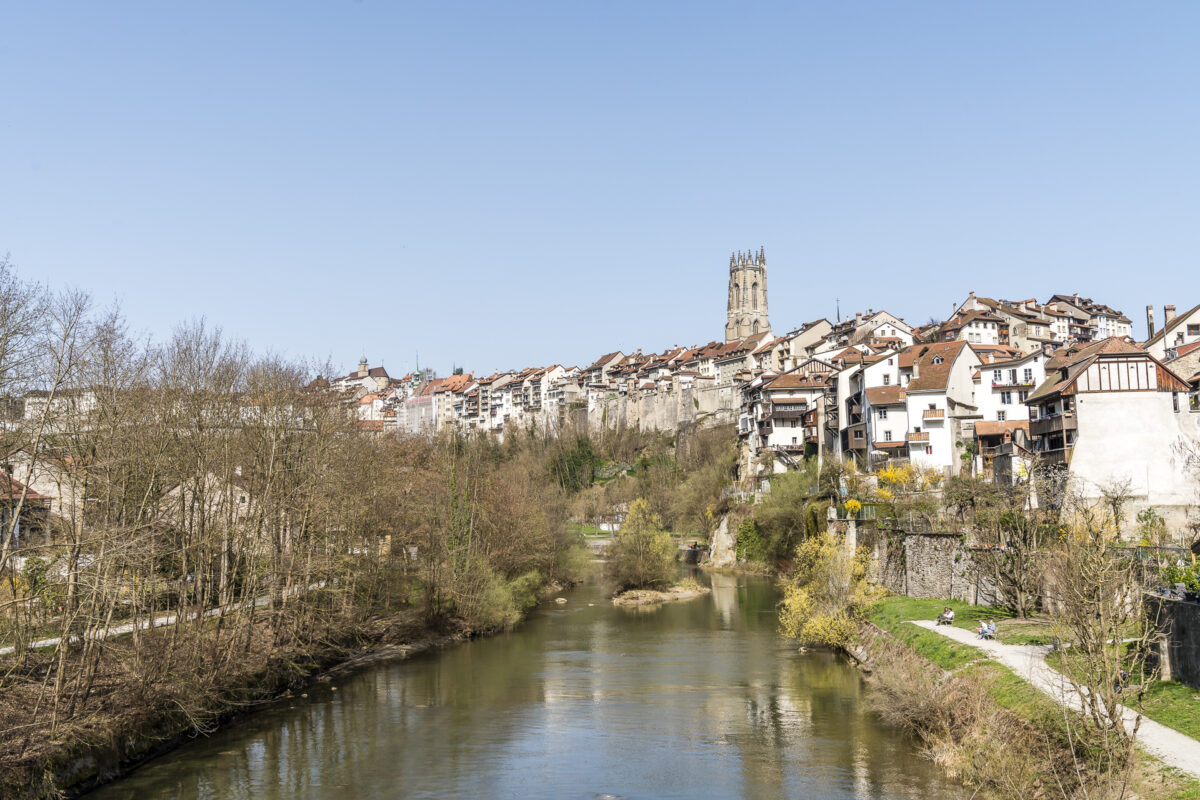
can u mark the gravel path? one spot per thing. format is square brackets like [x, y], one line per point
[1029, 661]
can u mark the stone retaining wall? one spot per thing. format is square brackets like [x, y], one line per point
[1179, 653]
[937, 565]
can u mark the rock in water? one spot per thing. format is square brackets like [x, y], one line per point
[562, 601]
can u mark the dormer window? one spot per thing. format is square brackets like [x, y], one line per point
[938, 359]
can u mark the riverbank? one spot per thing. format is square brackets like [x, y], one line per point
[978, 718]
[134, 726]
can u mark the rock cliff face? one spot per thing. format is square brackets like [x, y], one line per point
[723, 551]
[665, 410]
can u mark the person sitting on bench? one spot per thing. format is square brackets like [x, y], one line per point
[946, 617]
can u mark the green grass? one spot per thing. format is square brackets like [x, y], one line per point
[894, 615]
[1025, 631]
[1174, 705]
[1171, 704]
[1166, 702]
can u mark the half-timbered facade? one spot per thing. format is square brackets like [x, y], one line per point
[1115, 416]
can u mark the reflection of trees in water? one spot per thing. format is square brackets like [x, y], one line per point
[805, 729]
[713, 680]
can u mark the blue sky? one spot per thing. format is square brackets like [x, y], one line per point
[507, 184]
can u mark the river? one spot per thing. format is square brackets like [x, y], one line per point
[698, 699]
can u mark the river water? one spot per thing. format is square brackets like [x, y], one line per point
[698, 699]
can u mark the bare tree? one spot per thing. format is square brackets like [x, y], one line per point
[1099, 611]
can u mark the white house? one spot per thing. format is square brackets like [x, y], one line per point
[1177, 331]
[938, 401]
[974, 327]
[1002, 387]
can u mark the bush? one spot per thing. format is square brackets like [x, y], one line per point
[750, 545]
[1188, 575]
[643, 555]
[827, 593]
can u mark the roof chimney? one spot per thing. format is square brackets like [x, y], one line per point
[858, 316]
[1149, 322]
[1168, 315]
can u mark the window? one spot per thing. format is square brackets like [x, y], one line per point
[1028, 375]
[1012, 376]
[1175, 402]
[928, 449]
[997, 376]
[887, 380]
[858, 434]
[883, 413]
[890, 360]
[1006, 398]
[1193, 330]
[1001, 416]
[887, 436]
[1022, 396]
[938, 359]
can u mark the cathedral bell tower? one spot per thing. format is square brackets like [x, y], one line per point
[747, 307]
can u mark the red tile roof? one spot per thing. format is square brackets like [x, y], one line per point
[988, 428]
[933, 366]
[798, 380]
[885, 395]
[11, 489]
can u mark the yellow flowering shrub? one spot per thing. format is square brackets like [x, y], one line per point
[827, 592]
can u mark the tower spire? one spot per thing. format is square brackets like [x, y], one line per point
[746, 307]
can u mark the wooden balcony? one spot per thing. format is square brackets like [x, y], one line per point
[1056, 424]
[937, 414]
[918, 437]
[1056, 458]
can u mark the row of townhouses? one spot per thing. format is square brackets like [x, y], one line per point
[999, 385]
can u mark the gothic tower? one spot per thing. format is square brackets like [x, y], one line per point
[747, 307]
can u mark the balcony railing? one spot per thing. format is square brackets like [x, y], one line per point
[1053, 458]
[1056, 424]
[933, 413]
[918, 436]
[1014, 384]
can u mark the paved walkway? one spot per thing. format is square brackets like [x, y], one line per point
[157, 622]
[1029, 661]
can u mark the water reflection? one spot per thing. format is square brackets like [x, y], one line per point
[698, 699]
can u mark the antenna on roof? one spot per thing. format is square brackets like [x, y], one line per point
[838, 303]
